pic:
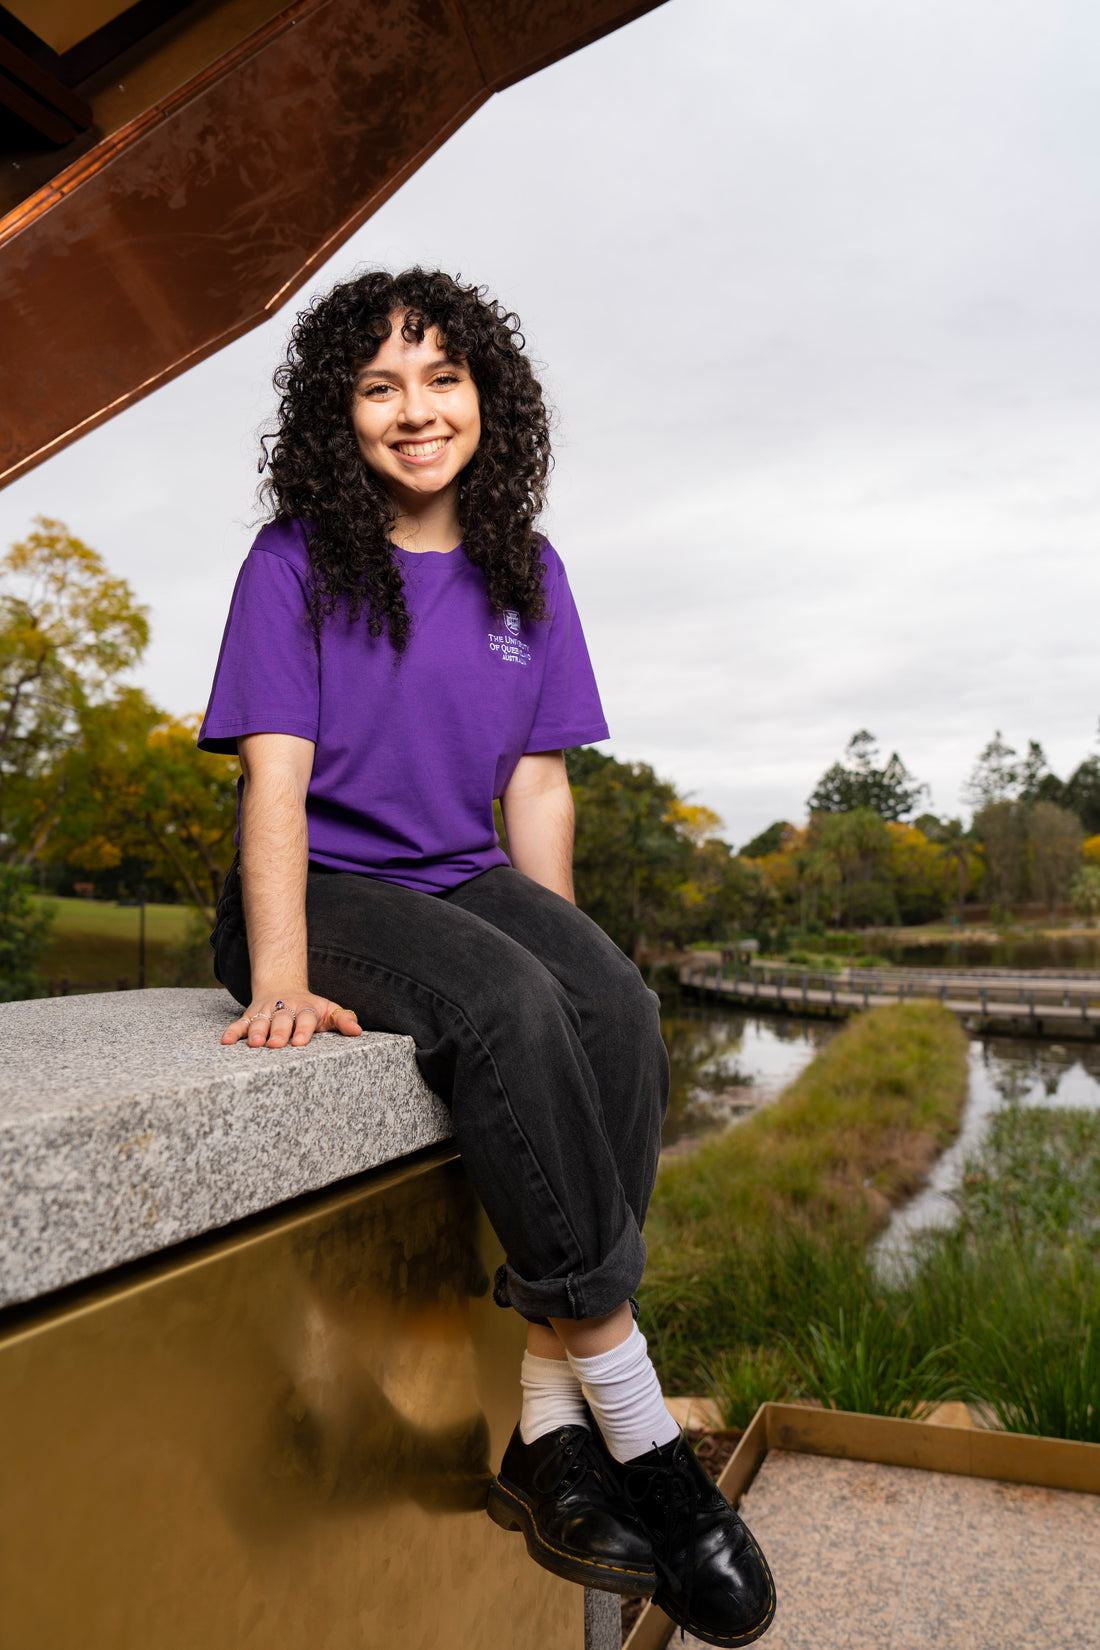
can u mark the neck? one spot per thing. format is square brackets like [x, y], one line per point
[428, 524]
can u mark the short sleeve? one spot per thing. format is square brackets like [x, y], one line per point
[569, 711]
[268, 675]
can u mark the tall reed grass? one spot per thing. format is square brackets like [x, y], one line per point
[774, 1291]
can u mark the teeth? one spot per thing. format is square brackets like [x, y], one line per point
[421, 449]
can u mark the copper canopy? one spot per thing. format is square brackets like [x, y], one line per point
[172, 175]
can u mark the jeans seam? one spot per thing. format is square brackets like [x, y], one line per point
[417, 986]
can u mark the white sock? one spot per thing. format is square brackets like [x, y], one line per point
[552, 1397]
[624, 1395]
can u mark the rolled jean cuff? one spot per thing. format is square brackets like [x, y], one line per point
[579, 1294]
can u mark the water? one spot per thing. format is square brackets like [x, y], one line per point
[725, 1064]
[1002, 1070]
[1064, 951]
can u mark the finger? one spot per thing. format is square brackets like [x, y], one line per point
[282, 1026]
[346, 1021]
[258, 1027]
[234, 1033]
[343, 1020]
[306, 1022]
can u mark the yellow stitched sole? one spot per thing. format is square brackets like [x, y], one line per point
[642, 1582]
[732, 1640]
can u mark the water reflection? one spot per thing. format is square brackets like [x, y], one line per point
[1067, 951]
[1003, 1071]
[725, 1064]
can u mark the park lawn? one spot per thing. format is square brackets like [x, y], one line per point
[740, 1228]
[94, 944]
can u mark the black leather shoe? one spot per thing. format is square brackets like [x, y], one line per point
[713, 1579]
[561, 1491]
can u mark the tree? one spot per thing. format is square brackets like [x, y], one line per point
[1034, 780]
[722, 895]
[815, 876]
[629, 857]
[68, 631]
[1084, 891]
[1054, 837]
[892, 791]
[914, 868]
[1082, 793]
[931, 826]
[858, 844]
[959, 855]
[24, 932]
[139, 787]
[769, 841]
[994, 778]
[1001, 827]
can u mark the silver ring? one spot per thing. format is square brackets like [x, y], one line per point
[308, 1010]
[260, 1016]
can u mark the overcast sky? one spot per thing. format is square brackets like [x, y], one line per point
[814, 287]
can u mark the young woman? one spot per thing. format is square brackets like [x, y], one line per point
[402, 648]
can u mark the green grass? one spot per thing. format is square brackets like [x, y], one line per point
[870, 1112]
[1000, 1310]
[870, 1360]
[94, 945]
[834, 962]
[751, 1230]
[1015, 1285]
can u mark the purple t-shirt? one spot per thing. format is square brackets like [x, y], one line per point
[410, 752]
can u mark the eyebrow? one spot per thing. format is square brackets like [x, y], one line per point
[371, 371]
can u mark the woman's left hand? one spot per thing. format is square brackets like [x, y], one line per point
[272, 1021]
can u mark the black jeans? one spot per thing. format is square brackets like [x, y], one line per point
[539, 1034]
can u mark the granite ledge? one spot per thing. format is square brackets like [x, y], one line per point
[125, 1126]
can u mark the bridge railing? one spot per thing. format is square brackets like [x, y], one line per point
[862, 987]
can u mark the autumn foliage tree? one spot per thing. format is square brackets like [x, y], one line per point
[68, 632]
[92, 772]
[649, 866]
[140, 789]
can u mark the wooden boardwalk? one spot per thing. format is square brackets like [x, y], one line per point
[1017, 1006]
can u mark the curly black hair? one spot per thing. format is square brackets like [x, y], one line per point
[317, 474]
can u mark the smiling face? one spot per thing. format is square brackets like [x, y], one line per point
[416, 418]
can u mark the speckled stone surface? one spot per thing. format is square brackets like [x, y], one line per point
[125, 1126]
[870, 1557]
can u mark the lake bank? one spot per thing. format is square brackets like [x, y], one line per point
[991, 1289]
[854, 1135]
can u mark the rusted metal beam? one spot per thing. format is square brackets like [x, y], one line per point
[202, 214]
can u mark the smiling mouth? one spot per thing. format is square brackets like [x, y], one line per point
[421, 449]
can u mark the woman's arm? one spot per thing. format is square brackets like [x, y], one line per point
[538, 817]
[276, 768]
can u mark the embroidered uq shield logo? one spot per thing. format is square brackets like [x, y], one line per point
[511, 621]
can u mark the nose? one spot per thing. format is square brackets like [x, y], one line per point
[415, 409]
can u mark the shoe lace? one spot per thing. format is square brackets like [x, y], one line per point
[577, 1455]
[679, 1494]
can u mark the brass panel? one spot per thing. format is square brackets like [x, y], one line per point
[189, 223]
[61, 23]
[278, 1442]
